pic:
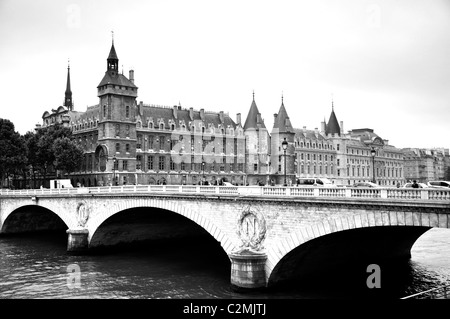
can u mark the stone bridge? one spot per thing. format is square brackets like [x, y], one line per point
[270, 234]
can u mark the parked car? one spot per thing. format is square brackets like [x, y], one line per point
[312, 181]
[439, 184]
[409, 185]
[366, 184]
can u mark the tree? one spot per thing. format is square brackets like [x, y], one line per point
[12, 151]
[46, 137]
[31, 143]
[68, 154]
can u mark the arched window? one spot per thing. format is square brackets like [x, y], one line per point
[161, 126]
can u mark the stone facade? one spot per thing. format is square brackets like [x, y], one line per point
[127, 142]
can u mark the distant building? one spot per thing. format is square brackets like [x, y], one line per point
[346, 158]
[426, 164]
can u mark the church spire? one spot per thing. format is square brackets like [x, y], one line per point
[113, 60]
[68, 94]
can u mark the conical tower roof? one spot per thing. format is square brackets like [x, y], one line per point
[252, 117]
[112, 53]
[282, 123]
[333, 126]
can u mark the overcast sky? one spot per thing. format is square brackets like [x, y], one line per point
[385, 63]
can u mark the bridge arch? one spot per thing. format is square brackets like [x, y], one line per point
[207, 224]
[422, 222]
[26, 218]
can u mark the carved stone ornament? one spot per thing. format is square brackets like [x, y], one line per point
[82, 214]
[251, 229]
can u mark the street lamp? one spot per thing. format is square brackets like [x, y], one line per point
[114, 170]
[203, 172]
[373, 152]
[284, 144]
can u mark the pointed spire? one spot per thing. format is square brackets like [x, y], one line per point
[68, 94]
[112, 60]
[251, 122]
[332, 127]
[282, 123]
[282, 98]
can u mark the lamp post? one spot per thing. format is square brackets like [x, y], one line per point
[373, 152]
[284, 144]
[203, 171]
[114, 170]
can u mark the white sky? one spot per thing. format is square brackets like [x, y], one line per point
[386, 63]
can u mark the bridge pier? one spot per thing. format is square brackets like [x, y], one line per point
[77, 241]
[248, 270]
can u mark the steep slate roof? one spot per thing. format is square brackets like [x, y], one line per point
[117, 79]
[309, 134]
[282, 121]
[167, 114]
[113, 76]
[333, 126]
[252, 117]
[112, 53]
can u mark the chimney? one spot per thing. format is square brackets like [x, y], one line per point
[191, 113]
[341, 124]
[202, 114]
[238, 119]
[275, 117]
[316, 132]
[258, 118]
[322, 127]
[222, 119]
[131, 77]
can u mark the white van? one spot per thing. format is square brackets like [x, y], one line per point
[314, 181]
[439, 184]
[60, 183]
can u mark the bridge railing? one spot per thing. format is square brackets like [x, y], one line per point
[431, 194]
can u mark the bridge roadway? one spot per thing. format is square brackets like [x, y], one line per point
[271, 234]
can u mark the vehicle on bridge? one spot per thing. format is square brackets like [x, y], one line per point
[439, 184]
[366, 184]
[410, 185]
[313, 181]
[60, 183]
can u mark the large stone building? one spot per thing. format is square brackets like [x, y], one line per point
[127, 142]
[346, 158]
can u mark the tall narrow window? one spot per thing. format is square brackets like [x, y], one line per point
[150, 162]
[127, 111]
[161, 163]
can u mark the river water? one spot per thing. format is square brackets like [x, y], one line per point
[37, 266]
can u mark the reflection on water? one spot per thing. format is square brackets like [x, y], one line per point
[35, 266]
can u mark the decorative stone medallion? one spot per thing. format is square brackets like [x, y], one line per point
[82, 214]
[251, 228]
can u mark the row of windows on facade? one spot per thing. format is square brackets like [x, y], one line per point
[151, 160]
[161, 126]
[348, 150]
[356, 171]
[126, 88]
